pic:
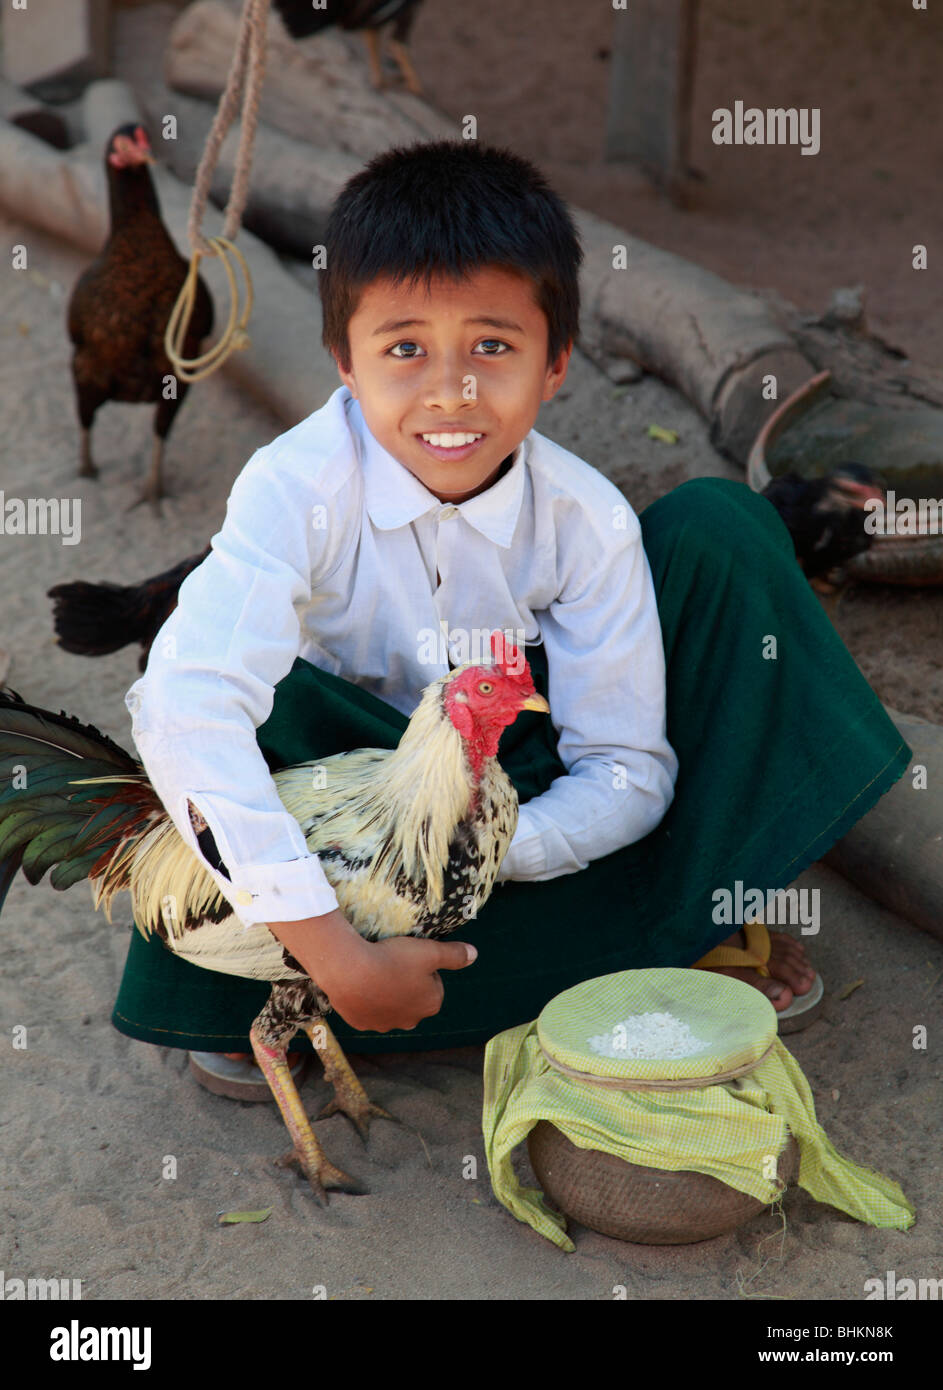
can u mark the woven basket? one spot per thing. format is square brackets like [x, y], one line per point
[650, 1206]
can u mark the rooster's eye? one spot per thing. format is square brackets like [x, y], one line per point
[485, 687]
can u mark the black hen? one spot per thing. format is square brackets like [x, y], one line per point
[121, 306]
[301, 20]
[95, 619]
[825, 516]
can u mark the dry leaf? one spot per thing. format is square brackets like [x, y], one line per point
[666, 436]
[232, 1218]
[850, 989]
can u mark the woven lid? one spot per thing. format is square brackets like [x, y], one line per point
[736, 1022]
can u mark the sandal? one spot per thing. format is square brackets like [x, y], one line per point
[242, 1080]
[804, 1007]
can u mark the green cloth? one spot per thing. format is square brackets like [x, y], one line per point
[730, 1131]
[778, 759]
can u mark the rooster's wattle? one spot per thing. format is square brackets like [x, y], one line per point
[411, 840]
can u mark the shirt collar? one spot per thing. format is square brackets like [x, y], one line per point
[395, 497]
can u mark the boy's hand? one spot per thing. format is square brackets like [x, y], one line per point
[378, 985]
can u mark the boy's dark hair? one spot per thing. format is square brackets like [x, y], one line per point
[449, 207]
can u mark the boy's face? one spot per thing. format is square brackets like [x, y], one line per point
[464, 357]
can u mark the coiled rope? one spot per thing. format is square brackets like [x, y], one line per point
[249, 56]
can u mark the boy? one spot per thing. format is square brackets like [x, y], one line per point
[418, 497]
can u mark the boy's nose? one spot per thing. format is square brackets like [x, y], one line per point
[453, 387]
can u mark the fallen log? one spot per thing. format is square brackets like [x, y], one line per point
[292, 183]
[714, 342]
[323, 92]
[895, 852]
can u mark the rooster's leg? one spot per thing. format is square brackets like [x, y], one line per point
[350, 1098]
[372, 40]
[320, 1173]
[401, 53]
[153, 489]
[87, 468]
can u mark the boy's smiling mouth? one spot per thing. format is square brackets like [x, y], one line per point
[450, 445]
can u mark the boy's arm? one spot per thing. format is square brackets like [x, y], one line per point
[607, 700]
[209, 684]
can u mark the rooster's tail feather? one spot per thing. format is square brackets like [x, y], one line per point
[52, 819]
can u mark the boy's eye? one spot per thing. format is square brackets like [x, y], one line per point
[497, 343]
[494, 347]
[407, 343]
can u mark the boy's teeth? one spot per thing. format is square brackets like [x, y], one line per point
[450, 441]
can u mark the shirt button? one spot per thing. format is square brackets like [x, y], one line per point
[243, 897]
[447, 513]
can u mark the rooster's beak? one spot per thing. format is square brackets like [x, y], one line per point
[536, 702]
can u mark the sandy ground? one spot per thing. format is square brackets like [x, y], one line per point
[88, 1118]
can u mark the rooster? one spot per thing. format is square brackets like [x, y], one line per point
[410, 839]
[97, 619]
[301, 18]
[121, 305]
[825, 517]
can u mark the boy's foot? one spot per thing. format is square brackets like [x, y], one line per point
[776, 965]
[238, 1076]
[790, 972]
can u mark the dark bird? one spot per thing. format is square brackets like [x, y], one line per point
[121, 305]
[369, 16]
[96, 619]
[825, 516]
[411, 840]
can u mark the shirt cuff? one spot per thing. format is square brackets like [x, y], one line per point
[286, 892]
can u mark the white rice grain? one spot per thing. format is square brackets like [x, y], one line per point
[648, 1035]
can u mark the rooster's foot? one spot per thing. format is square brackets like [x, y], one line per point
[152, 494]
[322, 1175]
[359, 1110]
[350, 1098]
[153, 489]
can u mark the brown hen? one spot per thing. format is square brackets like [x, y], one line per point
[121, 305]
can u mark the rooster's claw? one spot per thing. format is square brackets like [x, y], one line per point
[323, 1176]
[360, 1113]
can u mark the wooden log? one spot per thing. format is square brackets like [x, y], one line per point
[292, 183]
[323, 90]
[895, 852]
[29, 113]
[687, 325]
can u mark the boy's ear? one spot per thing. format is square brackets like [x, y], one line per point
[346, 377]
[556, 372]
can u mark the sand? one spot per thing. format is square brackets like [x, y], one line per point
[90, 1119]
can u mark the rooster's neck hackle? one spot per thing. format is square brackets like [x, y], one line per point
[427, 786]
[131, 194]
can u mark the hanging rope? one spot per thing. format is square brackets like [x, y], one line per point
[249, 54]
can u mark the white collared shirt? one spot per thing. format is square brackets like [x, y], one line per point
[331, 550]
